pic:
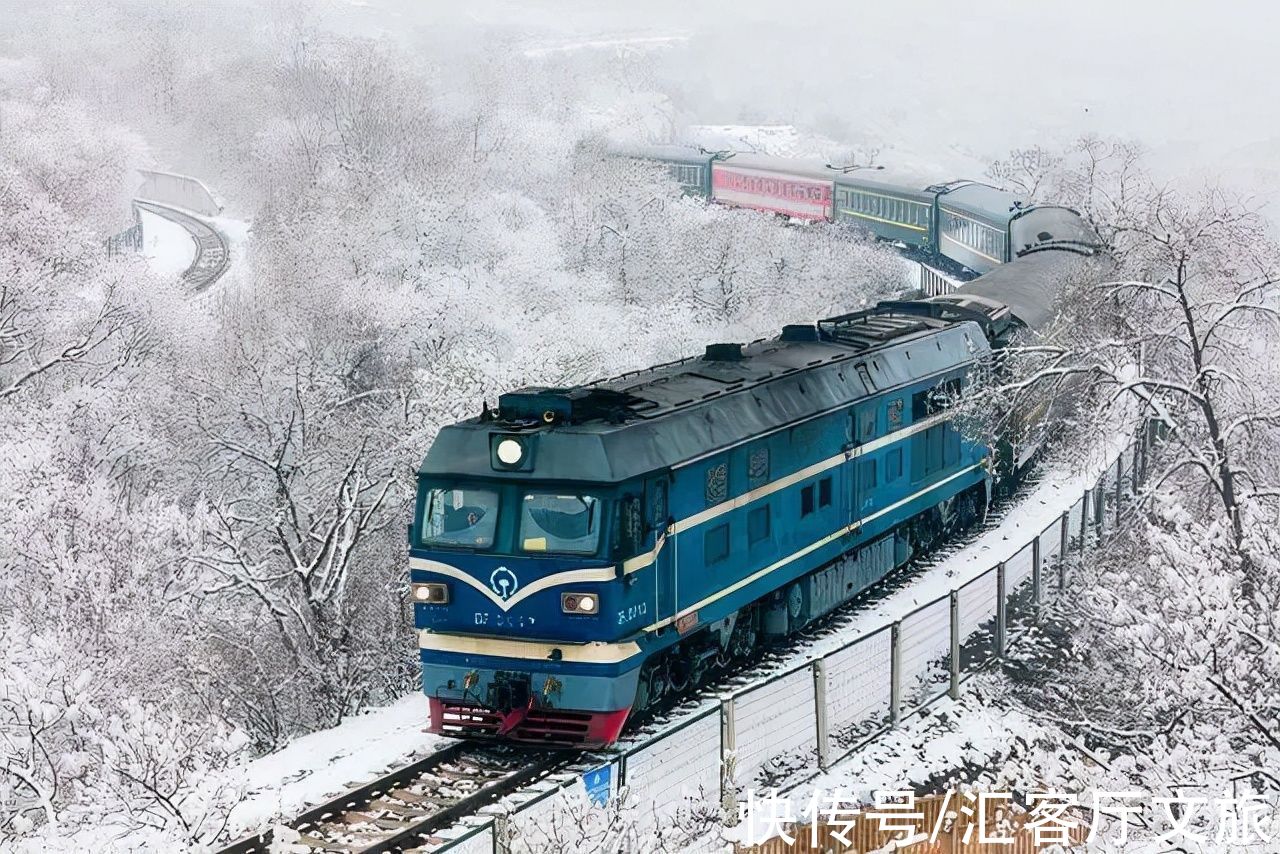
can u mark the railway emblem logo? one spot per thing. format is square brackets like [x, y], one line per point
[504, 582]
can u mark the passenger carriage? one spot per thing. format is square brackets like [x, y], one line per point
[891, 206]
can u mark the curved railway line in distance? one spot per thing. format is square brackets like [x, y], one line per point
[212, 256]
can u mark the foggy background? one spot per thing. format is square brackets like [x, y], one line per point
[949, 84]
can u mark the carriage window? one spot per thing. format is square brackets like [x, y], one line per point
[563, 524]
[460, 517]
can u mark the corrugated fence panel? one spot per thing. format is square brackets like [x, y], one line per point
[1017, 569]
[671, 771]
[858, 685]
[775, 725]
[977, 603]
[925, 643]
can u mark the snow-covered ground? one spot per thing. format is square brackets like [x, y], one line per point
[328, 762]
[951, 734]
[167, 246]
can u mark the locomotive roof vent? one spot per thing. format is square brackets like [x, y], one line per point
[799, 332]
[536, 405]
[723, 353]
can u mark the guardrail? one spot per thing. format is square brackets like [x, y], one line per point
[820, 711]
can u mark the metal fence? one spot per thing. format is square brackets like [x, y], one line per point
[129, 240]
[817, 713]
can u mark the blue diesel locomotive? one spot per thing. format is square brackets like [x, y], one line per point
[578, 553]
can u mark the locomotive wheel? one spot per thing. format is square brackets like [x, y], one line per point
[966, 511]
[795, 606]
[678, 672]
[643, 700]
[651, 684]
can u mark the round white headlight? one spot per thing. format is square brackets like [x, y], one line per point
[509, 452]
[422, 593]
[586, 603]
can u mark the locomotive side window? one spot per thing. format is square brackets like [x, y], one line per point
[824, 492]
[806, 501]
[920, 405]
[460, 517]
[758, 524]
[866, 424]
[715, 544]
[564, 524]
[630, 531]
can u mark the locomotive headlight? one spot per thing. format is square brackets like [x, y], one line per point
[431, 593]
[579, 603]
[510, 452]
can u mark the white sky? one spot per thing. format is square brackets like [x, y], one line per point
[1190, 80]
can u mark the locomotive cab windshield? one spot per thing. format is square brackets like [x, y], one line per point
[516, 520]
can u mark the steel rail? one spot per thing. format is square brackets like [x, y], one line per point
[212, 257]
[365, 812]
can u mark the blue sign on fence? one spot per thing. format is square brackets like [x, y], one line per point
[598, 784]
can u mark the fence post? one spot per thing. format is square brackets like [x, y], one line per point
[954, 690]
[895, 673]
[1119, 485]
[1085, 501]
[1100, 507]
[1035, 570]
[1002, 614]
[820, 710]
[728, 747]
[1142, 453]
[1065, 538]
[501, 835]
[1134, 481]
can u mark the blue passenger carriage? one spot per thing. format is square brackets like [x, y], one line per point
[886, 204]
[687, 165]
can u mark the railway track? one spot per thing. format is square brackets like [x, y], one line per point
[211, 259]
[400, 811]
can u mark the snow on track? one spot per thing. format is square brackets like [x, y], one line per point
[323, 764]
[167, 246]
